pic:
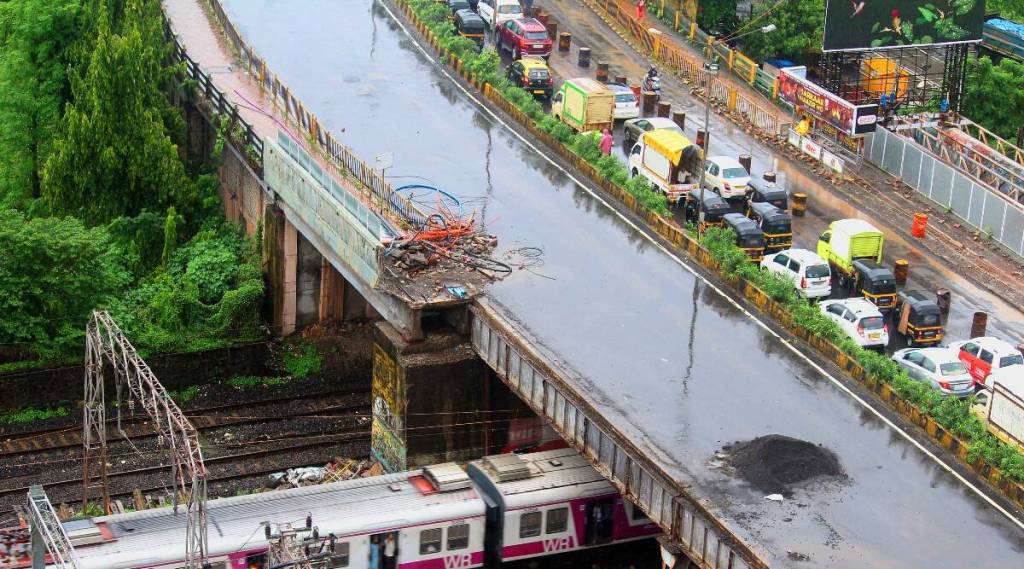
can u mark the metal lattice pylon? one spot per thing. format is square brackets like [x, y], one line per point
[48, 535]
[106, 344]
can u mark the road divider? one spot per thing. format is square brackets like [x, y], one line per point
[947, 421]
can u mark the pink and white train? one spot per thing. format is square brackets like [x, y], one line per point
[504, 507]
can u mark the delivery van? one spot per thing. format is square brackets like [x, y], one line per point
[669, 160]
[584, 104]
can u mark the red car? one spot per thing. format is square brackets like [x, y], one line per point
[525, 36]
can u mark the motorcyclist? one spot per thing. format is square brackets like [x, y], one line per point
[652, 82]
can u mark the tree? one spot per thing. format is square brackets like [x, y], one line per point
[53, 273]
[1008, 9]
[35, 36]
[717, 17]
[798, 34]
[114, 156]
[995, 95]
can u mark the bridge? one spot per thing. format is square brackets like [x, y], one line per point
[632, 354]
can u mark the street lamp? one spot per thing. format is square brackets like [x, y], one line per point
[712, 70]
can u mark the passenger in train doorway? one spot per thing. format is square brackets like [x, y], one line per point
[390, 552]
[374, 552]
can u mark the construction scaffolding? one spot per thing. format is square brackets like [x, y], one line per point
[107, 346]
[303, 548]
[48, 535]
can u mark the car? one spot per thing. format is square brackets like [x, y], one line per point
[940, 368]
[497, 12]
[860, 320]
[533, 75]
[808, 272]
[524, 36]
[633, 128]
[986, 354]
[627, 106]
[726, 177]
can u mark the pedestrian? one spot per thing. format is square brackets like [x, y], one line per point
[606, 142]
[641, 9]
[390, 551]
[374, 552]
[804, 126]
[528, 8]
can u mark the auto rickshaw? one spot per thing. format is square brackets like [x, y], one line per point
[918, 318]
[875, 283]
[714, 208]
[774, 223]
[748, 235]
[470, 25]
[763, 191]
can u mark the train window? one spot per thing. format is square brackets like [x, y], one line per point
[430, 541]
[529, 524]
[219, 565]
[458, 537]
[636, 514]
[558, 520]
[257, 561]
[340, 556]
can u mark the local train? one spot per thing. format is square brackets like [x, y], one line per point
[502, 508]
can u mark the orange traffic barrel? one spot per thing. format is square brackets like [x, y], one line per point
[799, 205]
[920, 225]
[978, 324]
[900, 269]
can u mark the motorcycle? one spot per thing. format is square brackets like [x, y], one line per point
[652, 82]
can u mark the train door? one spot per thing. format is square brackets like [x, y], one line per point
[383, 552]
[598, 529]
[493, 528]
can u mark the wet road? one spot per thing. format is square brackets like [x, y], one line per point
[677, 367]
[927, 272]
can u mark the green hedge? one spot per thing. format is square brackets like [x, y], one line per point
[951, 413]
[486, 65]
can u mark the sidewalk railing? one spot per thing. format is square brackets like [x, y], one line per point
[761, 114]
[378, 192]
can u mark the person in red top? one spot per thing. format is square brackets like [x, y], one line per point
[606, 142]
[641, 9]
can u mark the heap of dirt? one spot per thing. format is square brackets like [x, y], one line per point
[773, 463]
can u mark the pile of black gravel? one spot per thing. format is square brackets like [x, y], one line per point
[773, 463]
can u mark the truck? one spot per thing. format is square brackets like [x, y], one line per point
[846, 241]
[1005, 404]
[668, 160]
[584, 104]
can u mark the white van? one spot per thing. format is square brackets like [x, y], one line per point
[496, 12]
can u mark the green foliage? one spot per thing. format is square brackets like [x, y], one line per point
[31, 414]
[303, 361]
[185, 395]
[53, 272]
[253, 381]
[951, 413]
[1009, 9]
[799, 27]
[717, 17]
[35, 36]
[995, 95]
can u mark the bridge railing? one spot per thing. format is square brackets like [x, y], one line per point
[665, 501]
[377, 191]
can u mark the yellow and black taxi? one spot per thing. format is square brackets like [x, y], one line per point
[532, 74]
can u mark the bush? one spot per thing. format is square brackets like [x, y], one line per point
[303, 361]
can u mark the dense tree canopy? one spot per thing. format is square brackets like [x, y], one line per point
[799, 27]
[995, 95]
[1009, 9]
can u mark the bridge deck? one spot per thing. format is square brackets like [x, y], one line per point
[675, 369]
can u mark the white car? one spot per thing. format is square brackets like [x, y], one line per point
[726, 177]
[939, 367]
[627, 106]
[860, 320]
[496, 12]
[808, 272]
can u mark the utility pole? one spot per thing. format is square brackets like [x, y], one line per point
[48, 535]
[298, 548]
[106, 346]
[711, 70]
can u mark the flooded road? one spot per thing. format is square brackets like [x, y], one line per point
[676, 366]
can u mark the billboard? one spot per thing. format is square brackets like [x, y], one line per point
[871, 24]
[806, 97]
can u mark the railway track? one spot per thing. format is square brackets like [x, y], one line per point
[204, 419]
[221, 468]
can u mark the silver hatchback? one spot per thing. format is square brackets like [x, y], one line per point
[939, 367]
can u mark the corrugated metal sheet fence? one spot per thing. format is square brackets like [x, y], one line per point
[992, 213]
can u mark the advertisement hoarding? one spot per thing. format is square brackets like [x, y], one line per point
[806, 97]
[870, 24]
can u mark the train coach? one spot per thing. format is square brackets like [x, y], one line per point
[504, 507]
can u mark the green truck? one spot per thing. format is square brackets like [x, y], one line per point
[584, 104]
[846, 241]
